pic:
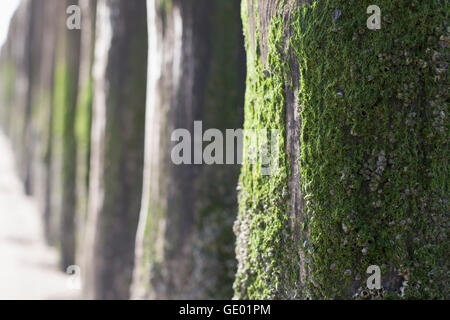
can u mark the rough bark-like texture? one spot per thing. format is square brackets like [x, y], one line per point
[185, 241]
[362, 114]
[117, 146]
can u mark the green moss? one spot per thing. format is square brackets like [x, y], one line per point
[374, 151]
[64, 111]
[41, 118]
[263, 226]
[83, 124]
[164, 5]
[83, 118]
[59, 99]
[8, 76]
[64, 149]
[370, 143]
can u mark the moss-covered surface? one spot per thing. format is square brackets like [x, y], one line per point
[7, 90]
[164, 5]
[83, 120]
[83, 140]
[64, 150]
[374, 153]
[264, 246]
[83, 124]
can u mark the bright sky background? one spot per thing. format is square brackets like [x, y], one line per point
[7, 8]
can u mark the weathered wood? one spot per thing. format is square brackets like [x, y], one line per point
[185, 242]
[117, 146]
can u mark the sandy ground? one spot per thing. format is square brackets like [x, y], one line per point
[28, 267]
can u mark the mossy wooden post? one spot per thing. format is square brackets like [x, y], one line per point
[18, 69]
[22, 74]
[42, 112]
[118, 130]
[64, 154]
[30, 66]
[41, 87]
[363, 176]
[7, 89]
[10, 71]
[185, 240]
[34, 23]
[83, 118]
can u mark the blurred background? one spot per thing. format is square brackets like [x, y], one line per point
[91, 205]
[29, 267]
